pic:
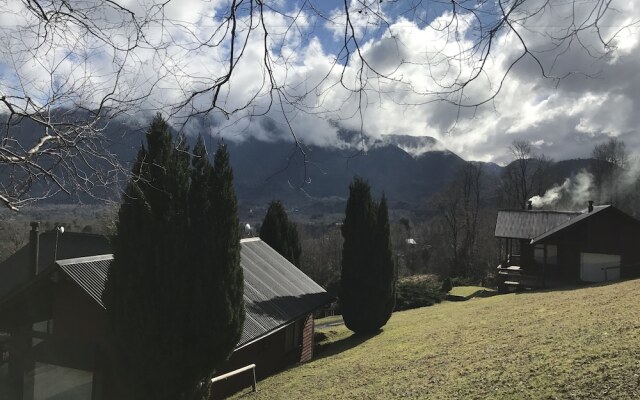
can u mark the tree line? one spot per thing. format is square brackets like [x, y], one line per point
[454, 235]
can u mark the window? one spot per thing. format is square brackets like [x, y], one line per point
[552, 254]
[43, 326]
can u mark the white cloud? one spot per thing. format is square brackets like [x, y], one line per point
[422, 61]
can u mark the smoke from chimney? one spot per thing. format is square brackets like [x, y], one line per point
[575, 191]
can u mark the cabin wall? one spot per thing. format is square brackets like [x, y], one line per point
[77, 324]
[69, 341]
[569, 262]
[307, 339]
[56, 351]
[270, 354]
[76, 315]
[609, 232]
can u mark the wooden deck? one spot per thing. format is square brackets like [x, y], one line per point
[517, 277]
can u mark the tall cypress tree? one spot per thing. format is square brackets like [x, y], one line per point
[144, 291]
[171, 312]
[367, 287]
[279, 233]
[225, 228]
[383, 265]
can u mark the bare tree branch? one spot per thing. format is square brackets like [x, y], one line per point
[74, 66]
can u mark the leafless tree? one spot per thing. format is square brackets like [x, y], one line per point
[71, 66]
[460, 206]
[321, 256]
[527, 175]
[54, 105]
[608, 165]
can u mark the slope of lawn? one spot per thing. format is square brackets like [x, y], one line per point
[467, 292]
[571, 344]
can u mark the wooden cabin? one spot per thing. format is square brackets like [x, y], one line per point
[57, 323]
[553, 248]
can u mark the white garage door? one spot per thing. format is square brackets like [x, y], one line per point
[596, 267]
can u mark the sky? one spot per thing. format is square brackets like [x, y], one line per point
[425, 67]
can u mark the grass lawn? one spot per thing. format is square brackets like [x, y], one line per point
[466, 292]
[572, 344]
[332, 320]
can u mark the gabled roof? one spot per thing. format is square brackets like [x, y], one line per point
[581, 217]
[522, 224]
[90, 273]
[14, 271]
[539, 225]
[276, 292]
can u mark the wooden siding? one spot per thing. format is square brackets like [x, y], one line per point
[75, 316]
[268, 354]
[608, 232]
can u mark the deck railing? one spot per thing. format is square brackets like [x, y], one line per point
[517, 275]
[251, 367]
[513, 259]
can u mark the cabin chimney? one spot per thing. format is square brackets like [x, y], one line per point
[590, 205]
[530, 205]
[34, 243]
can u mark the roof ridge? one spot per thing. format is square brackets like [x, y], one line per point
[86, 259]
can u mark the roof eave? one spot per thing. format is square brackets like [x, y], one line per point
[281, 327]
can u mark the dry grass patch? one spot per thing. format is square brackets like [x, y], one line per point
[571, 344]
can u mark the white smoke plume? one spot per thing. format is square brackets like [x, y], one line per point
[631, 176]
[574, 192]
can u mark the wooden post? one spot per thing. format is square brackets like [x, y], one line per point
[253, 386]
[508, 252]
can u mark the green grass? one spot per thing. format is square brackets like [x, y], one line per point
[467, 292]
[571, 344]
[334, 319]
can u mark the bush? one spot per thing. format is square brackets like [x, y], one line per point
[464, 281]
[418, 291]
[447, 285]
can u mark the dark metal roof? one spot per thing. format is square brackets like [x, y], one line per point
[14, 271]
[521, 224]
[276, 292]
[90, 273]
[584, 215]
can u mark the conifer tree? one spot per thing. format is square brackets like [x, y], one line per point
[146, 267]
[228, 287]
[173, 298]
[216, 311]
[279, 233]
[367, 287]
[383, 271]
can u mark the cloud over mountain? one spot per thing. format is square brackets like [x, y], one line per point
[590, 92]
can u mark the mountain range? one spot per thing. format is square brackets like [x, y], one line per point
[313, 179]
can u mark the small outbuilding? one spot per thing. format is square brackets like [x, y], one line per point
[553, 248]
[56, 323]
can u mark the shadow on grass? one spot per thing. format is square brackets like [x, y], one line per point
[340, 345]
[320, 352]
